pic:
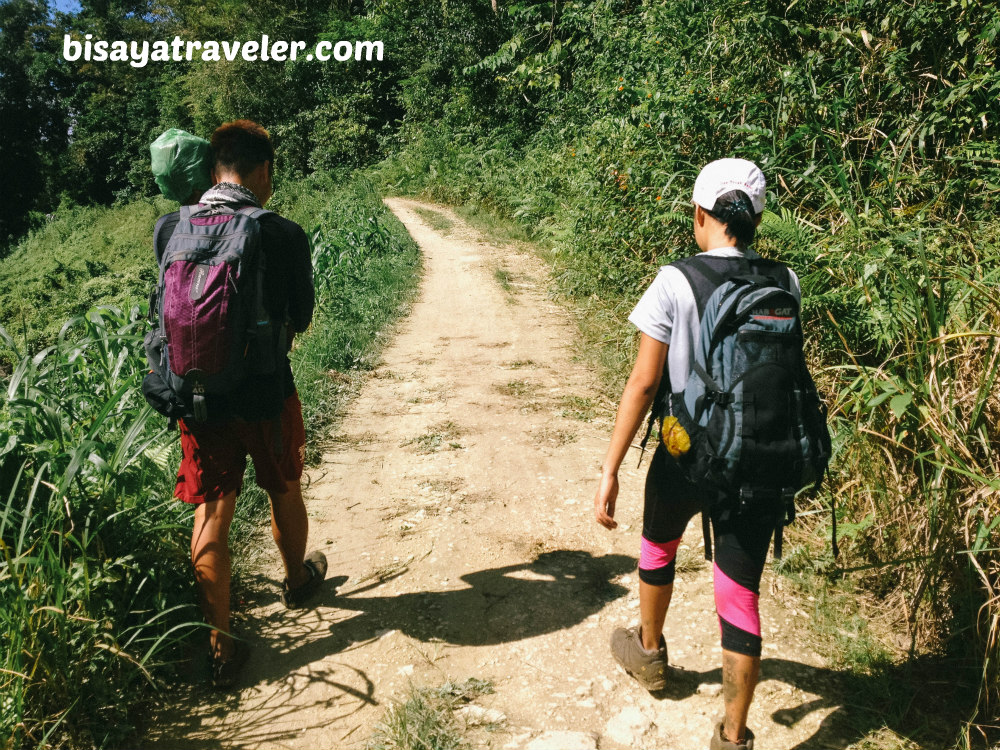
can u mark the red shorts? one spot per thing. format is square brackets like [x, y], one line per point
[214, 456]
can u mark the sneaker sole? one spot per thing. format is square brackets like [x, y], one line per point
[652, 687]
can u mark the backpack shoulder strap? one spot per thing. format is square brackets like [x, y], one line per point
[253, 212]
[706, 274]
[703, 278]
[773, 269]
[256, 213]
[161, 235]
[185, 213]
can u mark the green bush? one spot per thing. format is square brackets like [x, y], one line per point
[82, 257]
[94, 591]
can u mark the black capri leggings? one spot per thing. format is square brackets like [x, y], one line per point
[740, 551]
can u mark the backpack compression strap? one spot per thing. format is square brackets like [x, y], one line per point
[256, 213]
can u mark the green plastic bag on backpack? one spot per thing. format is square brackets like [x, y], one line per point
[181, 164]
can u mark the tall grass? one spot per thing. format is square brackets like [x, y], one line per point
[919, 471]
[93, 592]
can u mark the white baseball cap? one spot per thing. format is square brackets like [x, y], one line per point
[723, 175]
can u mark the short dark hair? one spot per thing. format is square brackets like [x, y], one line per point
[735, 210]
[241, 146]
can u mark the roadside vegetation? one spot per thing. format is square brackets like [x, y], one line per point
[81, 258]
[97, 604]
[425, 719]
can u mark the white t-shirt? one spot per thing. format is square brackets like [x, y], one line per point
[668, 312]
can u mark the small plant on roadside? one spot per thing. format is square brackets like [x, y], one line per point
[516, 389]
[437, 221]
[443, 434]
[425, 719]
[505, 279]
[578, 407]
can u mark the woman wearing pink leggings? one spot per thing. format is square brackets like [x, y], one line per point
[728, 202]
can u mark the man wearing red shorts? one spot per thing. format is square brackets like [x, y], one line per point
[262, 418]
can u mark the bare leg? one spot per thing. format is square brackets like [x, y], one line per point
[212, 571]
[739, 678]
[290, 529]
[653, 604]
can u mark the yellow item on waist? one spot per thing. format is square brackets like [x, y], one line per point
[675, 437]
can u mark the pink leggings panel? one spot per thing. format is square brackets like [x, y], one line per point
[654, 555]
[735, 604]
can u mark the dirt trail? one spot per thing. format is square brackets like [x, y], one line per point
[455, 511]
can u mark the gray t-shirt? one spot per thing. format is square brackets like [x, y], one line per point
[668, 313]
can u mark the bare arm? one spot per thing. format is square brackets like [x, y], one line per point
[636, 399]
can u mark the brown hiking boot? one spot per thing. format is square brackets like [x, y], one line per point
[719, 741]
[650, 669]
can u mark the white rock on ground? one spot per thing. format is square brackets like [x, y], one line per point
[710, 689]
[628, 726]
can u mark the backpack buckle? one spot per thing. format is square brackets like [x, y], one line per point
[719, 398]
[746, 498]
[788, 501]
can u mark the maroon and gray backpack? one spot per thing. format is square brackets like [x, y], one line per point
[212, 328]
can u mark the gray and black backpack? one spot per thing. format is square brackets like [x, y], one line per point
[756, 424]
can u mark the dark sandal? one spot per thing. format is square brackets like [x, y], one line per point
[225, 672]
[315, 565]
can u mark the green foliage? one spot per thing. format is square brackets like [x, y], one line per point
[80, 258]
[32, 114]
[94, 594]
[116, 107]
